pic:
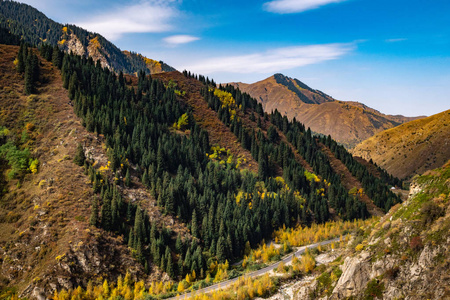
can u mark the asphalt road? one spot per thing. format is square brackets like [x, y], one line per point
[225, 284]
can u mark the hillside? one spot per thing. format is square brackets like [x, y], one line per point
[160, 168]
[347, 122]
[402, 255]
[411, 148]
[35, 28]
[46, 239]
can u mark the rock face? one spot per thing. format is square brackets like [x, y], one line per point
[74, 45]
[354, 277]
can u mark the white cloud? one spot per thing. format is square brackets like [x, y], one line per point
[295, 6]
[274, 60]
[395, 40]
[180, 39]
[146, 16]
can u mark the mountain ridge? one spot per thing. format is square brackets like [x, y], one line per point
[36, 28]
[347, 122]
[411, 148]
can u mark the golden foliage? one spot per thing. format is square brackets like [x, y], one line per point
[94, 41]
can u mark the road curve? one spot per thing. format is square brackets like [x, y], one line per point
[227, 283]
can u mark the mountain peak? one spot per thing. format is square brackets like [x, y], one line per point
[347, 122]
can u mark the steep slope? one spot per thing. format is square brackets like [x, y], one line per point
[403, 255]
[47, 242]
[347, 122]
[44, 216]
[406, 253]
[411, 148]
[35, 28]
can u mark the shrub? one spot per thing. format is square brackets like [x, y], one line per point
[416, 243]
[374, 289]
[430, 212]
[392, 273]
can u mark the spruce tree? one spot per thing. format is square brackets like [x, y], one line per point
[93, 219]
[79, 158]
[128, 178]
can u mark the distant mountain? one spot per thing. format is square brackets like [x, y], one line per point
[411, 148]
[35, 28]
[347, 122]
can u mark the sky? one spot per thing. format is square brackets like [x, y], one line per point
[392, 55]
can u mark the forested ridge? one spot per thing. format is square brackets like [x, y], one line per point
[35, 28]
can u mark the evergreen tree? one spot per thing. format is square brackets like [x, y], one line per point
[93, 219]
[79, 158]
[21, 59]
[128, 178]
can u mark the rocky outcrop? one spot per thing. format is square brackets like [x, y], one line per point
[355, 276]
[73, 44]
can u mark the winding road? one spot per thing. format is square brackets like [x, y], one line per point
[225, 284]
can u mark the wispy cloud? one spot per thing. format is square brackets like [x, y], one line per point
[145, 16]
[295, 6]
[273, 60]
[180, 39]
[395, 40]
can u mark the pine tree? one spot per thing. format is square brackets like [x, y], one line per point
[169, 265]
[194, 225]
[93, 220]
[221, 251]
[21, 59]
[128, 178]
[106, 214]
[79, 158]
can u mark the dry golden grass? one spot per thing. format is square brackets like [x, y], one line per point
[411, 148]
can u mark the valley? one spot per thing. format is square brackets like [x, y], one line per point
[123, 178]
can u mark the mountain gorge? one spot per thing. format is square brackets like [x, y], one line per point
[347, 122]
[237, 161]
[121, 178]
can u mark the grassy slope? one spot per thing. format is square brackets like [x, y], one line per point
[411, 148]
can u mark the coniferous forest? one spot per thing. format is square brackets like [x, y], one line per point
[222, 205]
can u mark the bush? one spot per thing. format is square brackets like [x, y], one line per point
[374, 289]
[392, 273]
[430, 212]
[416, 243]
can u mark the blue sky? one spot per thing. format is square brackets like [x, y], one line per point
[392, 55]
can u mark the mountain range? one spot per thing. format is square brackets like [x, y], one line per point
[348, 122]
[123, 178]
